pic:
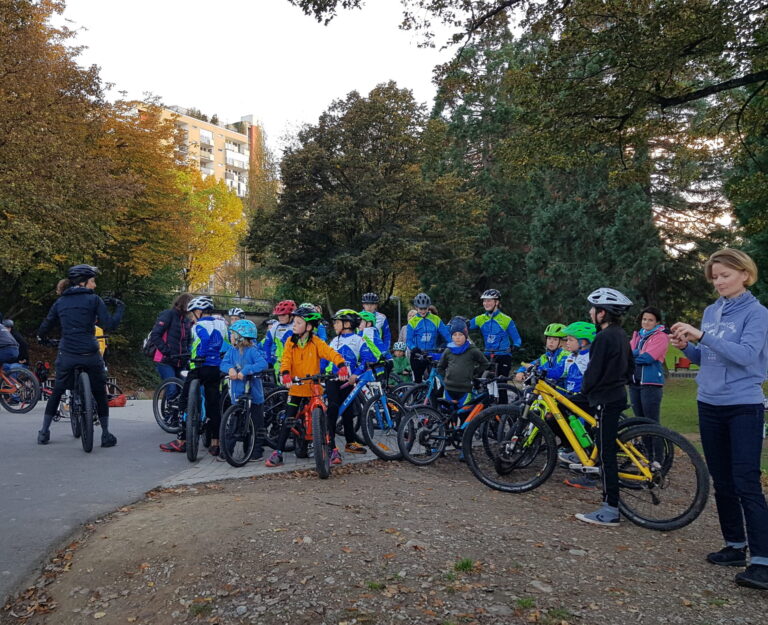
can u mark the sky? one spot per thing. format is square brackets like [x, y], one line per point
[249, 57]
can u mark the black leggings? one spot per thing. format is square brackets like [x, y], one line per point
[418, 366]
[291, 410]
[210, 379]
[336, 396]
[607, 427]
[93, 364]
[503, 364]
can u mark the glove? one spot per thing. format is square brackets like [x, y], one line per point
[343, 373]
[285, 378]
[416, 350]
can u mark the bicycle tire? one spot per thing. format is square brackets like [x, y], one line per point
[74, 420]
[678, 491]
[417, 396]
[193, 420]
[321, 443]
[237, 436]
[25, 395]
[521, 437]
[399, 390]
[379, 434]
[163, 408]
[85, 415]
[421, 435]
[275, 404]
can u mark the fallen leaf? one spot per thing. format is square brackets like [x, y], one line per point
[346, 550]
[99, 615]
[388, 556]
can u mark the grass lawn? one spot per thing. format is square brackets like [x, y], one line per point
[678, 411]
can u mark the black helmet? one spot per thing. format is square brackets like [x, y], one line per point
[308, 314]
[491, 294]
[422, 300]
[81, 273]
[347, 314]
[370, 298]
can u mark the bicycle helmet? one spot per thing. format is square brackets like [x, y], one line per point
[81, 273]
[581, 330]
[611, 300]
[8, 323]
[245, 328]
[202, 302]
[286, 307]
[399, 346]
[347, 314]
[236, 312]
[422, 300]
[491, 294]
[370, 298]
[308, 314]
[307, 305]
[367, 316]
[555, 329]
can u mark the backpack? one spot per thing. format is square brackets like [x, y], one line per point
[147, 347]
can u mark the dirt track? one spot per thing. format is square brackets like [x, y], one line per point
[385, 543]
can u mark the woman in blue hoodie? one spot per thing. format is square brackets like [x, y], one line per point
[732, 351]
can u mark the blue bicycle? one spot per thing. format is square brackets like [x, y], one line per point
[426, 393]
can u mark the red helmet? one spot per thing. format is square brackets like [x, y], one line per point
[286, 307]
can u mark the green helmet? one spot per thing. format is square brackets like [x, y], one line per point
[367, 316]
[556, 330]
[581, 330]
[308, 314]
[347, 314]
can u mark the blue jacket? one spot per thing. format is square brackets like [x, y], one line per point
[572, 368]
[208, 341]
[248, 361]
[548, 360]
[649, 352]
[424, 333]
[276, 334]
[378, 348]
[498, 330]
[733, 353]
[76, 311]
[354, 350]
[382, 325]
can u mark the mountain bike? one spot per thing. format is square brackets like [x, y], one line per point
[19, 389]
[425, 393]
[237, 434]
[165, 404]
[196, 422]
[82, 409]
[663, 480]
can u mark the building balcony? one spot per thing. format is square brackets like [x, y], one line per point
[206, 156]
[204, 140]
[206, 171]
[242, 165]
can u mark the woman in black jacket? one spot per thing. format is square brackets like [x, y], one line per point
[76, 312]
[171, 337]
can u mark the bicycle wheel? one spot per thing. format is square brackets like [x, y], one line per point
[421, 435]
[74, 420]
[237, 436]
[677, 490]
[399, 391]
[85, 414]
[519, 453]
[193, 420]
[274, 412]
[380, 421]
[166, 410]
[321, 443]
[417, 395]
[22, 394]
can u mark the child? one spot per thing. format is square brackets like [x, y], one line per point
[356, 353]
[554, 342]
[274, 343]
[401, 372]
[208, 338]
[371, 336]
[244, 358]
[321, 331]
[460, 363]
[370, 303]
[605, 386]
[301, 358]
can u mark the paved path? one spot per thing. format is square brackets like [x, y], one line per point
[47, 492]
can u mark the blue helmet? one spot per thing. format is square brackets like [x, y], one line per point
[245, 328]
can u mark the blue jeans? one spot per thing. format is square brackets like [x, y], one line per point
[646, 400]
[732, 438]
[168, 371]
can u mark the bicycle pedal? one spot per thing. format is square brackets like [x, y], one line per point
[580, 468]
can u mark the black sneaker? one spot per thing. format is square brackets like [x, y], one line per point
[108, 440]
[756, 576]
[728, 556]
[43, 437]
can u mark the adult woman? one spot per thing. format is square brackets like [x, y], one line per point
[76, 312]
[404, 330]
[732, 352]
[171, 337]
[649, 347]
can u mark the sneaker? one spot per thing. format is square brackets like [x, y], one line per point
[108, 439]
[275, 460]
[728, 556]
[43, 437]
[355, 448]
[174, 445]
[461, 457]
[214, 451]
[335, 457]
[605, 515]
[756, 576]
[256, 454]
[568, 457]
[583, 481]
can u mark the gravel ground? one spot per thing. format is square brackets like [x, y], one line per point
[381, 543]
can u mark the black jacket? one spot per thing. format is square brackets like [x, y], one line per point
[23, 345]
[76, 311]
[171, 335]
[610, 367]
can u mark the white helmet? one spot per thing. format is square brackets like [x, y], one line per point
[615, 302]
[236, 312]
[200, 303]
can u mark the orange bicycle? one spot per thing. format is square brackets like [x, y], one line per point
[310, 426]
[19, 388]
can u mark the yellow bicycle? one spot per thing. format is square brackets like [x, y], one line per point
[663, 480]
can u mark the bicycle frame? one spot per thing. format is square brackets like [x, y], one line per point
[305, 413]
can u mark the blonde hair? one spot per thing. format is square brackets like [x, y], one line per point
[733, 259]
